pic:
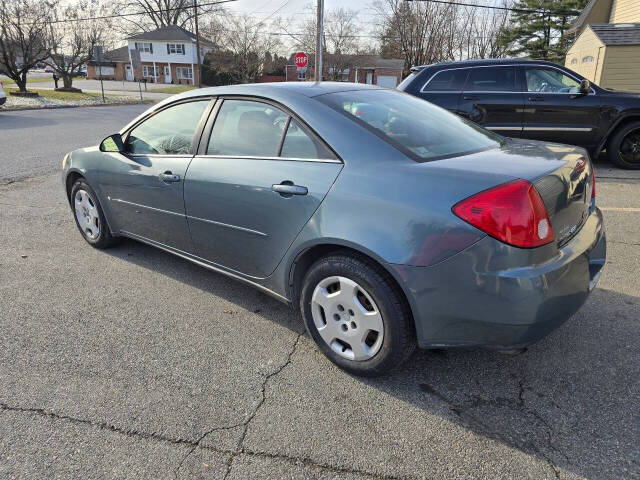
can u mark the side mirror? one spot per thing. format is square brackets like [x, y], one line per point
[585, 86]
[112, 143]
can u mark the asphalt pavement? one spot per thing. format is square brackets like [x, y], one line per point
[133, 363]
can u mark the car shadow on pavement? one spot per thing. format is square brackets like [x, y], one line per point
[570, 400]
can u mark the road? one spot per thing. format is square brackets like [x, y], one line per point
[132, 363]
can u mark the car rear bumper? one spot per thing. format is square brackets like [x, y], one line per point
[497, 296]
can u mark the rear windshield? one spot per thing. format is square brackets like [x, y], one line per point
[418, 128]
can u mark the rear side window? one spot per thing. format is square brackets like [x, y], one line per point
[169, 132]
[492, 79]
[247, 128]
[447, 81]
[299, 144]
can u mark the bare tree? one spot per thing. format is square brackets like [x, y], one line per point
[72, 47]
[23, 33]
[340, 42]
[480, 33]
[156, 14]
[245, 47]
[419, 32]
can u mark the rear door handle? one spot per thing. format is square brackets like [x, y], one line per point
[169, 177]
[288, 189]
[470, 97]
[536, 99]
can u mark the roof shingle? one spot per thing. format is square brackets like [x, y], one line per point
[617, 33]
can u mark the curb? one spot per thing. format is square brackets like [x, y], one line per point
[52, 107]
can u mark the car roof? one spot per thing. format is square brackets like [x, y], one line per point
[483, 61]
[308, 89]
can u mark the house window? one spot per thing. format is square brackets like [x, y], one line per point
[177, 48]
[587, 59]
[149, 71]
[184, 73]
[574, 61]
[144, 47]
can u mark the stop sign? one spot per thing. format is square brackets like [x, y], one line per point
[301, 59]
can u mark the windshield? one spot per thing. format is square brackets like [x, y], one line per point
[418, 128]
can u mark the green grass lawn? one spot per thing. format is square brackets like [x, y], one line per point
[54, 95]
[176, 89]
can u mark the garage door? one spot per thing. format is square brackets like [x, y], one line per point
[389, 81]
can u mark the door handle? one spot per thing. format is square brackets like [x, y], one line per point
[288, 189]
[169, 177]
[470, 97]
[536, 99]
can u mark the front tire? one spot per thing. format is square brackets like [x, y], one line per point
[623, 149]
[357, 315]
[89, 216]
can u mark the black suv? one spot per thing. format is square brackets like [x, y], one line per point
[536, 100]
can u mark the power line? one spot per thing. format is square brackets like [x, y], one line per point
[132, 14]
[509, 9]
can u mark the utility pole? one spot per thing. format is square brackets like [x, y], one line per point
[320, 35]
[195, 7]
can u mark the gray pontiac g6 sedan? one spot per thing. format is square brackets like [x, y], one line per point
[388, 221]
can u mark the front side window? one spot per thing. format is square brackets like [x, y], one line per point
[447, 81]
[550, 80]
[247, 128]
[492, 79]
[169, 132]
[419, 129]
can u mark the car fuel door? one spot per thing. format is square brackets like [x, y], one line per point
[255, 183]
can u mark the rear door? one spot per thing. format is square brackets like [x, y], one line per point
[492, 97]
[555, 111]
[144, 185]
[444, 88]
[258, 177]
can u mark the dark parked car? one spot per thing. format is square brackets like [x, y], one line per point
[536, 100]
[382, 218]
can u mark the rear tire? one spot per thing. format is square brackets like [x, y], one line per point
[89, 216]
[357, 315]
[623, 148]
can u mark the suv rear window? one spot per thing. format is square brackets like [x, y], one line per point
[492, 79]
[419, 129]
[447, 81]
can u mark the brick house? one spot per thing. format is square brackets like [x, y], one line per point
[371, 69]
[168, 55]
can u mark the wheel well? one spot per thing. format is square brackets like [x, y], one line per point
[307, 258]
[625, 121]
[71, 179]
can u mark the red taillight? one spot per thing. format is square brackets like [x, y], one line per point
[512, 212]
[593, 188]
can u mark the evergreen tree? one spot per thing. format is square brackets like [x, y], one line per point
[539, 28]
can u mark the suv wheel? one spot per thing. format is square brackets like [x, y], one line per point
[356, 315]
[623, 148]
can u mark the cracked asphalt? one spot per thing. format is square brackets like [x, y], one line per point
[132, 363]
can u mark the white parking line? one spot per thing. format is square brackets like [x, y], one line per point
[620, 209]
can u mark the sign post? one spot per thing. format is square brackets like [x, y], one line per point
[301, 60]
[99, 57]
[135, 65]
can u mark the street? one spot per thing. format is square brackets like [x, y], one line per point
[133, 363]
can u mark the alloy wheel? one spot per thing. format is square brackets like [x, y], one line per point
[347, 318]
[630, 147]
[87, 214]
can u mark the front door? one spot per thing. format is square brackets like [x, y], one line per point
[128, 73]
[556, 111]
[144, 185]
[167, 75]
[254, 185]
[493, 98]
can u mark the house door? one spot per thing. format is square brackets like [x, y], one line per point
[128, 73]
[369, 78]
[167, 74]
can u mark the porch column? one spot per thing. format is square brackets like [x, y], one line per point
[155, 73]
[170, 73]
[193, 75]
